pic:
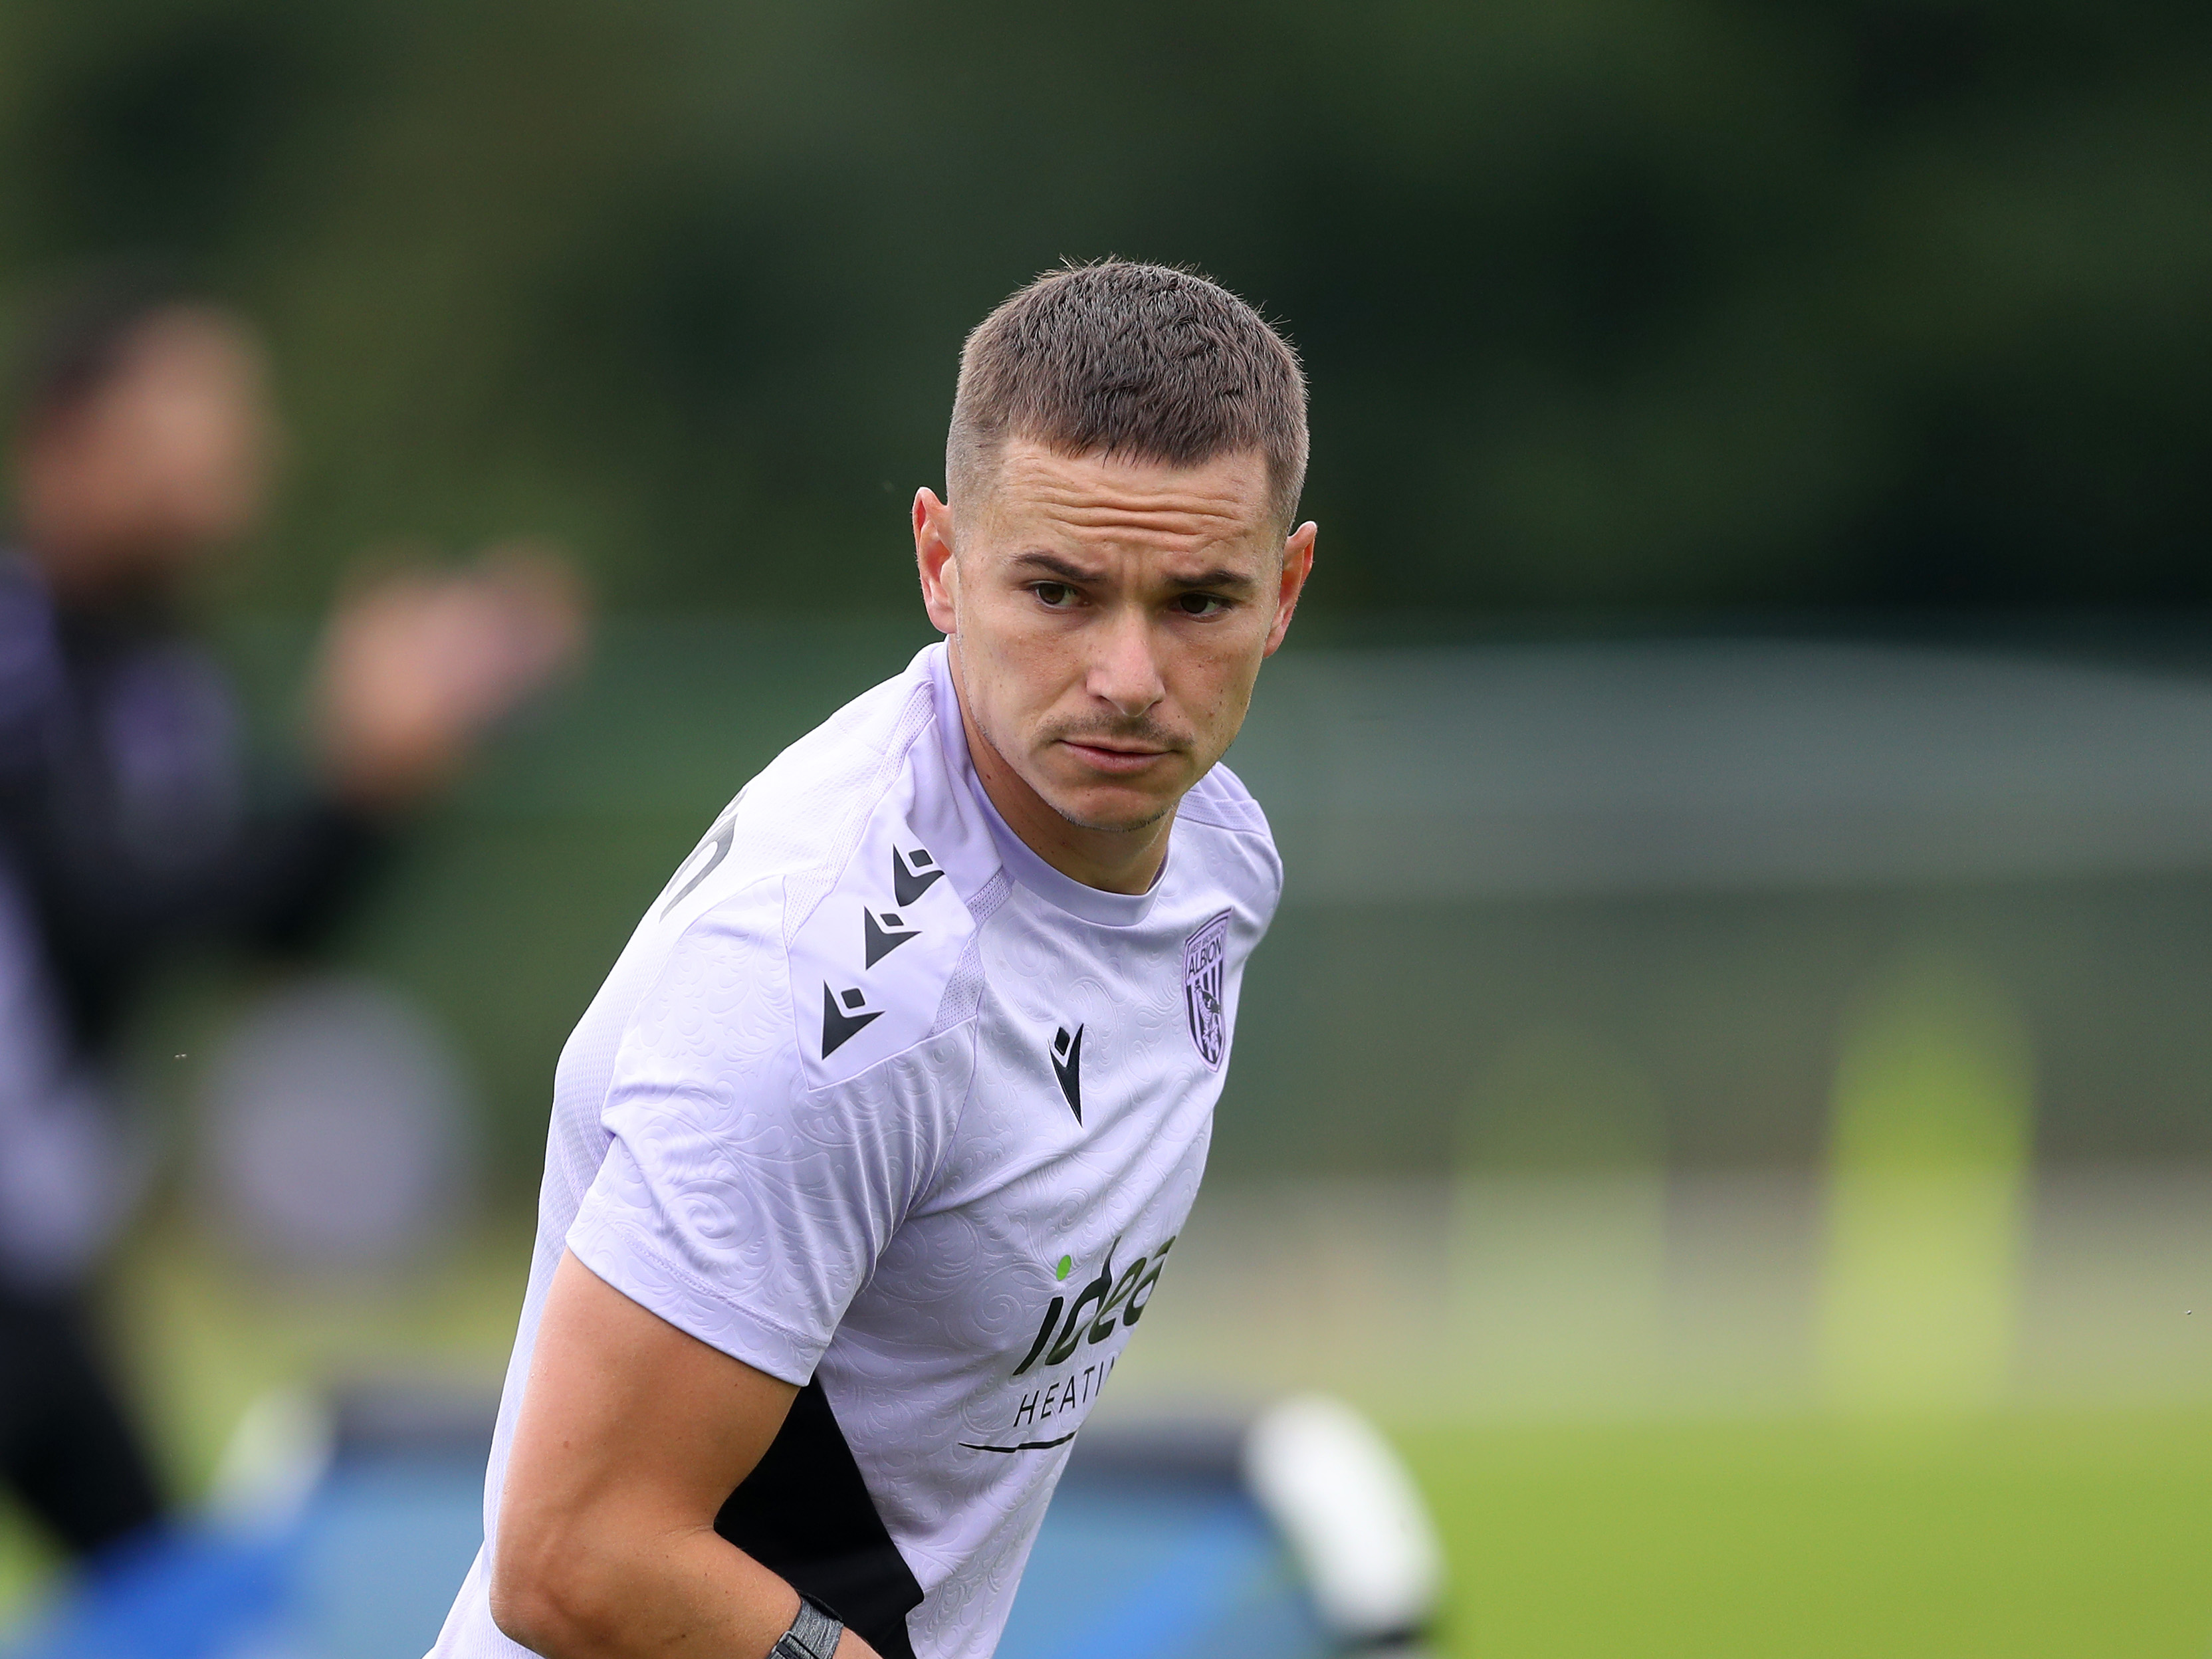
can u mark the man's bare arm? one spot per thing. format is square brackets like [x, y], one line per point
[631, 1436]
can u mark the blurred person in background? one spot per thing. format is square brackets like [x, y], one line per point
[142, 450]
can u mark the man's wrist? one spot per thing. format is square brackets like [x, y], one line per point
[814, 1634]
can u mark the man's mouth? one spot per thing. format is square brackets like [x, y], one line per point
[1108, 756]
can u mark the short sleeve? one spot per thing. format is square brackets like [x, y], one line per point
[731, 1201]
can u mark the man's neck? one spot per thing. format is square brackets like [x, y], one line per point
[1112, 860]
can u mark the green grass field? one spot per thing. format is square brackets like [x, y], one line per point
[2080, 1536]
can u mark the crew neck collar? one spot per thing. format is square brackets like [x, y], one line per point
[1021, 860]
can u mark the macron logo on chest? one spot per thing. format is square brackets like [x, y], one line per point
[1067, 1066]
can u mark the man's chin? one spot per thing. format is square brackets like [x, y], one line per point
[1110, 810]
[1108, 803]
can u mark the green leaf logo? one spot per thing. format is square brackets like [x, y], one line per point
[1067, 1265]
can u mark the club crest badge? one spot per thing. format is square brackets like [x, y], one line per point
[1205, 955]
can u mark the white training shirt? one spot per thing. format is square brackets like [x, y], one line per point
[877, 1102]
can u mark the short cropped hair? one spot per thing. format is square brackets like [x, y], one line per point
[1139, 362]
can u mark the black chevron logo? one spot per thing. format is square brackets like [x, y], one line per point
[1067, 1066]
[885, 930]
[842, 1016]
[913, 874]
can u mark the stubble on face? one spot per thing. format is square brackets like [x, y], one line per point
[1087, 669]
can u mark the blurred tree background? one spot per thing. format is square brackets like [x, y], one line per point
[1606, 303]
[1611, 307]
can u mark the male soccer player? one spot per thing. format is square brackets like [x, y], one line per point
[867, 1159]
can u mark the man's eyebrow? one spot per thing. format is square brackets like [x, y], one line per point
[1220, 578]
[1052, 564]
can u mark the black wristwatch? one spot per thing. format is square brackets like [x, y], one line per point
[814, 1634]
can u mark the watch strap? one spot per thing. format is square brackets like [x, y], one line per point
[814, 1634]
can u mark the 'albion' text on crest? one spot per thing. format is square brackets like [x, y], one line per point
[1203, 961]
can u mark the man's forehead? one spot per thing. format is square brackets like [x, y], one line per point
[1218, 501]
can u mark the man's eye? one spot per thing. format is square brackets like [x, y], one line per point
[1202, 605]
[1058, 595]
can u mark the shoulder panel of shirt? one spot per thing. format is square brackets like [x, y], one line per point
[1219, 801]
[886, 869]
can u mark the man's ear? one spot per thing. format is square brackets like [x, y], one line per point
[933, 557]
[1297, 565]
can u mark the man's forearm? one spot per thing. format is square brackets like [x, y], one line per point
[690, 1592]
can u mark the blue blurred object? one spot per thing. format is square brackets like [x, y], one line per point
[365, 1568]
[180, 1595]
[1156, 1547]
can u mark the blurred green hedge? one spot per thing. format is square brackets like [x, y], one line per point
[1606, 303]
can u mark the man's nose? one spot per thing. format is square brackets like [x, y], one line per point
[1124, 670]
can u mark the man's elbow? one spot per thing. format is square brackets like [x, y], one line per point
[556, 1602]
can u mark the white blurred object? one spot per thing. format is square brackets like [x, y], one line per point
[273, 1461]
[336, 1125]
[1354, 1517]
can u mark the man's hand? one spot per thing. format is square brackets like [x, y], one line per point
[631, 1436]
[415, 666]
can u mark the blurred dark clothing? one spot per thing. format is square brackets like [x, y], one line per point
[126, 832]
[124, 815]
[66, 1445]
